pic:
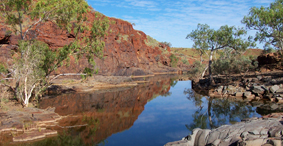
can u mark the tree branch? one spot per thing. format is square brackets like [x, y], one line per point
[40, 20]
[67, 74]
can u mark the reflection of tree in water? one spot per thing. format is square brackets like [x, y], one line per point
[173, 82]
[214, 112]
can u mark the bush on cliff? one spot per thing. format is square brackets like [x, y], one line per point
[174, 60]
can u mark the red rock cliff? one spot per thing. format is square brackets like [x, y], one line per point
[127, 51]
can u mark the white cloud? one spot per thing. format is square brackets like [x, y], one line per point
[172, 20]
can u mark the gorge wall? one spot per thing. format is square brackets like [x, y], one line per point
[126, 52]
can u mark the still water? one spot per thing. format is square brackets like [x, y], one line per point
[150, 114]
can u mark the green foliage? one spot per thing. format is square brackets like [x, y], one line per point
[173, 60]
[239, 64]
[267, 21]
[197, 69]
[35, 61]
[3, 69]
[185, 61]
[268, 50]
[205, 38]
[28, 69]
[60, 12]
[8, 33]
[88, 71]
[173, 82]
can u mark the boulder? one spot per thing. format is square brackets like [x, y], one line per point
[248, 95]
[254, 80]
[219, 89]
[258, 90]
[250, 132]
[273, 82]
[266, 79]
[274, 88]
[259, 77]
[239, 94]
[279, 91]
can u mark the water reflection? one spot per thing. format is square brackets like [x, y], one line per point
[105, 112]
[153, 113]
[214, 112]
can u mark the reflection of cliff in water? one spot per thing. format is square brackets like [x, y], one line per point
[105, 112]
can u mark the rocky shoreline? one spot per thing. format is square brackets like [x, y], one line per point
[265, 131]
[27, 124]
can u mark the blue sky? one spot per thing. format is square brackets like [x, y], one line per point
[172, 20]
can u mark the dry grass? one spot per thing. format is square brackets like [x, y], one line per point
[151, 42]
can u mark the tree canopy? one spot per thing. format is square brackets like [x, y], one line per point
[205, 38]
[268, 23]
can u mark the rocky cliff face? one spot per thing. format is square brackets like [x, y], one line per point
[127, 51]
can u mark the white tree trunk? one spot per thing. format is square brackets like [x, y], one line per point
[209, 65]
[204, 72]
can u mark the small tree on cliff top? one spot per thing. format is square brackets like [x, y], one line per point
[268, 22]
[36, 61]
[206, 38]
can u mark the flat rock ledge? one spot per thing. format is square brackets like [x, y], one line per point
[265, 131]
[28, 124]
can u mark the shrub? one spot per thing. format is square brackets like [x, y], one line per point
[185, 61]
[166, 43]
[197, 69]
[174, 60]
[239, 64]
[3, 69]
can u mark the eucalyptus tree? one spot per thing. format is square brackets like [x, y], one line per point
[268, 23]
[35, 63]
[205, 38]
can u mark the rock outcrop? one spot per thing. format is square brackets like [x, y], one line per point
[27, 124]
[250, 132]
[127, 51]
[261, 87]
[270, 60]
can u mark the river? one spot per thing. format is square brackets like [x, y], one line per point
[155, 112]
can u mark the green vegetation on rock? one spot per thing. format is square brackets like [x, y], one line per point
[174, 60]
[34, 61]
